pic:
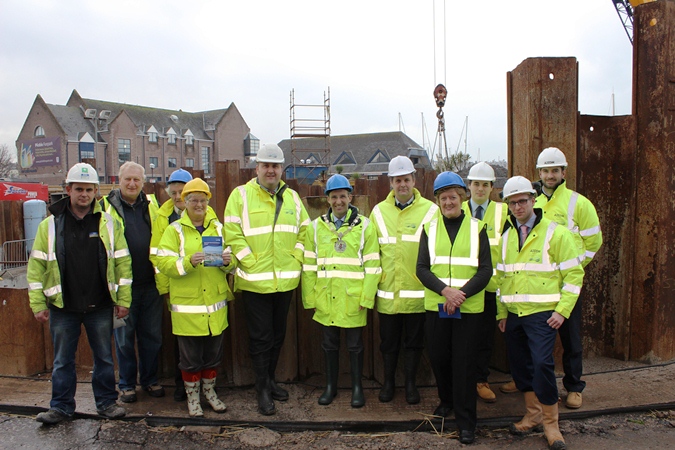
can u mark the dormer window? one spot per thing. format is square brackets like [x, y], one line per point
[152, 134]
[171, 136]
[189, 137]
[39, 132]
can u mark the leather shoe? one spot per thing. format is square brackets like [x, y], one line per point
[509, 388]
[574, 400]
[443, 410]
[467, 437]
[485, 393]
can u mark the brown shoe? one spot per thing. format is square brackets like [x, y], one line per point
[533, 419]
[551, 430]
[485, 393]
[574, 400]
[509, 388]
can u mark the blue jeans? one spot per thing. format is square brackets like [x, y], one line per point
[65, 328]
[144, 323]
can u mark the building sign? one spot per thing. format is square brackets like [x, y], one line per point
[10, 191]
[40, 153]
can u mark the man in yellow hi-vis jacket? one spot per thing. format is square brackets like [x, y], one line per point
[339, 281]
[264, 223]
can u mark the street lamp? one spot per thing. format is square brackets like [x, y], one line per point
[152, 171]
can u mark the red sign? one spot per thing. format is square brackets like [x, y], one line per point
[10, 191]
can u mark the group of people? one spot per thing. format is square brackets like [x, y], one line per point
[439, 273]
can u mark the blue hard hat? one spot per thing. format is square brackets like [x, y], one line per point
[336, 182]
[179, 176]
[448, 179]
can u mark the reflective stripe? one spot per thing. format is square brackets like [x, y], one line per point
[153, 250]
[530, 298]
[497, 225]
[565, 265]
[402, 294]
[288, 275]
[455, 261]
[530, 267]
[387, 240]
[309, 254]
[379, 220]
[156, 269]
[309, 267]
[454, 281]
[570, 210]
[371, 257]
[300, 246]
[179, 266]
[243, 253]
[373, 270]
[166, 252]
[494, 241]
[258, 231]
[410, 238]
[231, 219]
[590, 231]
[279, 228]
[341, 274]
[285, 229]
[571, 288]
[122, 253]
[51, 236]
[42, 255]
[52, 290]
[337, 260]
[126, 281]
[199, 309]
[267, 275]
[589, 254]
[34, 286]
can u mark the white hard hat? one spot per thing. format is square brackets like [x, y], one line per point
[517, 185]
[82, 173]
[551, 157]
[400, 165]
[270, 153]
[481, 171]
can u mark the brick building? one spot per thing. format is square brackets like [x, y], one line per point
[107, 134]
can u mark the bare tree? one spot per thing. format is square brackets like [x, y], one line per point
[6, 161]
[455, 162]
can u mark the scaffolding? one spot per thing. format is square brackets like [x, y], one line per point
[310, 140]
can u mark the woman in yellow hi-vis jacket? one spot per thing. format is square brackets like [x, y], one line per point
[198, 294]
[454, 265]
[339, 281]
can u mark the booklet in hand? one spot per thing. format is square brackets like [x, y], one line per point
[213, 251]
[443, 315]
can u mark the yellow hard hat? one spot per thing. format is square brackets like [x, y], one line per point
[196, 185]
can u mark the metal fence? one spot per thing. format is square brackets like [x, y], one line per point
[15, 253]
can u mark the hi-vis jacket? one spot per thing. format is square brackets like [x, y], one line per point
[575, 212]
[544, 275]
[454, 264]
[266, 234]
[198, 295]
[159, 225]
[337, 283]
[494, 217]
[398, 233]
[47, 259]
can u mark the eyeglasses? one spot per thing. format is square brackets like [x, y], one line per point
[198, 202]
[522, 202]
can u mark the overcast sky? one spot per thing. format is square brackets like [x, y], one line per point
[376, 56]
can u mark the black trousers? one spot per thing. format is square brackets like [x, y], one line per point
[200, 352]
[331, 339]
[393, 326]
[266, 320]
[570, 338]
[451, 344]
[486, 337]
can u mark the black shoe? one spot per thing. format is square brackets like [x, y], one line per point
[179, 395]
[443, 410]
[52, 417]
[154, 390]
[128, 396]
[278, 393]
[264, 397]
[467, 437]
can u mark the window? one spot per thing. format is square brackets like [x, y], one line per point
[344, 158]
[206, 159]
[87, 151]
[154, 160]
[172, 162]
[378, 157]
[172, 138]
[152, 136]
[189, 162]
[189, 140]
[123, 150]
[39, 132]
